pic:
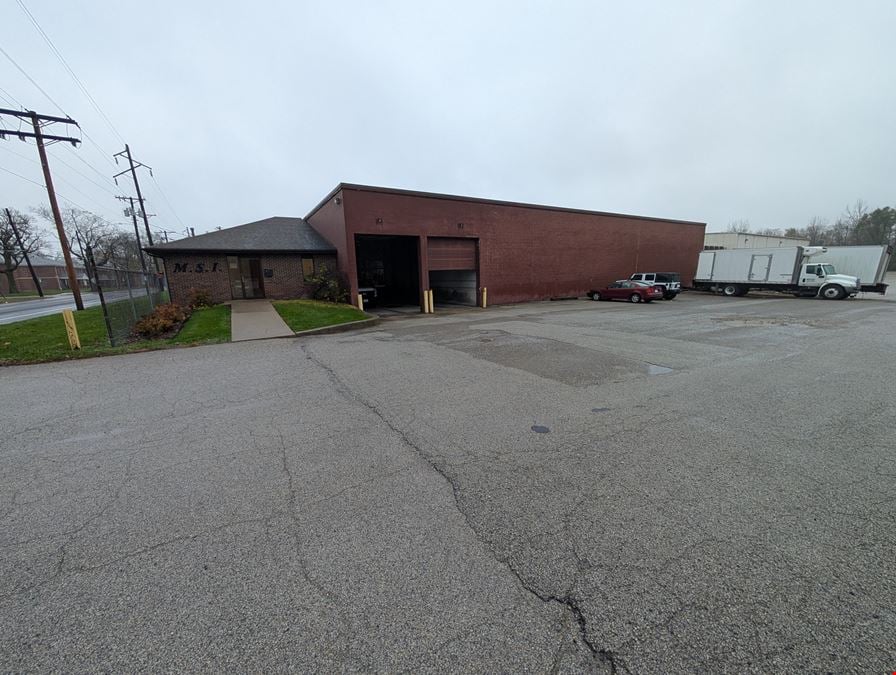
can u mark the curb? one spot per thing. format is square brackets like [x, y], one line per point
[340, 327]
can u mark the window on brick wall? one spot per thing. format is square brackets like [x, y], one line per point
[307, 268]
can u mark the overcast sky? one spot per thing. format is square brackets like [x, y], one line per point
[770, 112]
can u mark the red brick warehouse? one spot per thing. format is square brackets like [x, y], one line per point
[517, 251]
[393, 244]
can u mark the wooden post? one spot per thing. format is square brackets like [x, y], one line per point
[71, 329]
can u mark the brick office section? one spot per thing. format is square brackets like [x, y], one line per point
[187, 272]
[287, 281]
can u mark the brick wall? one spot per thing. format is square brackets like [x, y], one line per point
[49, 278]
[209, 273]
[287, 280]
[527, 253]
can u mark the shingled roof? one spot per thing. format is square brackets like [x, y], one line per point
[271, 235]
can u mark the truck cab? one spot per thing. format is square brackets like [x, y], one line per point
[823, 277]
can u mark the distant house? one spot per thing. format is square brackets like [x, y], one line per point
[50, 271]
[53, 276]
[714, 241]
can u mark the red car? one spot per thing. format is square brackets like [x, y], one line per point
[632, 291]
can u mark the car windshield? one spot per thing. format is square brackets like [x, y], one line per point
[828, 269]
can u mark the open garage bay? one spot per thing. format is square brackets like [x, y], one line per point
[703, 484]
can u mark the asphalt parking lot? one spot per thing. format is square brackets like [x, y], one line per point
[703, 484]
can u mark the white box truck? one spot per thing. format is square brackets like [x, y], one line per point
[868, 263]
[796, 269]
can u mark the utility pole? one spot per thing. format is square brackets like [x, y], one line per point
[15, 231]
[133, 215]
[40, 137]
[132, 169]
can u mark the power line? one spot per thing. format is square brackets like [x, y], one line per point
[86, 136]
[32, 81]
[74, 76]
[13, 152]
[167, 201]
[97, 146]
[58, 194]
[69, 69]
[84, 176]
[18, 175]
[10, 97]
[59, 159]
[92, 101]
[93, 168]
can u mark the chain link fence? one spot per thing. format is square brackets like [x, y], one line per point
[124, 307]
[126, 296]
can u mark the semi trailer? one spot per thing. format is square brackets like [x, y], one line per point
[800, 270]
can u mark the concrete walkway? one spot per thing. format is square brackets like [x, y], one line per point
[256, 320]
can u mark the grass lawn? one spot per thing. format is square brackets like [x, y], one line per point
[308, 314]
[44, 339]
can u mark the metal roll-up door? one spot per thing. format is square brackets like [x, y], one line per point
[451, 253]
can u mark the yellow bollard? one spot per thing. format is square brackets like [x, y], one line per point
[71, 329]
[432, 306]
[484, 297]
[360, 302]
[427, 299]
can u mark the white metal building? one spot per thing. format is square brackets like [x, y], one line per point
[714, 241]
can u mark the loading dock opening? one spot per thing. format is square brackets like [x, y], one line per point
[453, 269]
[390, 265]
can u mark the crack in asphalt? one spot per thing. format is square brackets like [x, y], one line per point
[603, 657]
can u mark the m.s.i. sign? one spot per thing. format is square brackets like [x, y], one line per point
[196, 268]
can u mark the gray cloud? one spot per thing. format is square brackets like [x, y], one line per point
[771, 112]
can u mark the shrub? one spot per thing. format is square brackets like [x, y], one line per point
[197, 297]
[328, 285]
[163, 319]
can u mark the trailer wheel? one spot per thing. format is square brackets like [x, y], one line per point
[730, 290]
[634, 297]
[833, 292]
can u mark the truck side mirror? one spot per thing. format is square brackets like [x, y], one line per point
[820, 273]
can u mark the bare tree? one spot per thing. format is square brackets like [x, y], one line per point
[840, 233]
[86, 229]
[123, 251]
[740, 226]
[770, 232]
[11, 254]
[816, 231]
[855, 213]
